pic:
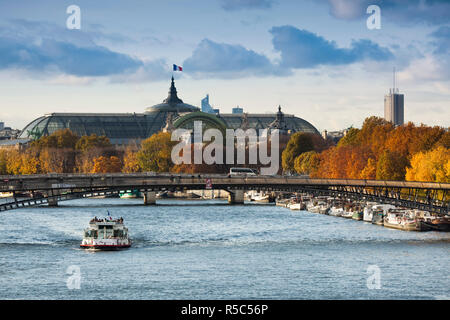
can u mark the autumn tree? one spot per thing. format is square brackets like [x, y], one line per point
[90, 148]
[444, 141]
[14, 162]
[433, 165]
[3, 162]
[93, 141]
[130, 161]
[203, 167]
[370, 170]
[56, 160]
[155, 154]
[30, 162]
[379, 150]
[410, 139]
[343, 162]
[104, 164]
[56, 152]
[63, 138]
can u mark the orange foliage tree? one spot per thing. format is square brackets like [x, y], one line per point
[381, 151]
[130, 161]
[107, 165]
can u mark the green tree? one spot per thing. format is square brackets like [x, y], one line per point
[298, 143]
[155, 154]
[350, 139]
[307, 163]
[391, 166]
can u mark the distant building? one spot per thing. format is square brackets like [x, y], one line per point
[172, 113]
[7, 133]
[335, 136]
[394, 106]
[206, 107]
[237, 110]
[8, 138]
[17, 144]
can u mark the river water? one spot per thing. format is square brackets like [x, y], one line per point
[211, 250]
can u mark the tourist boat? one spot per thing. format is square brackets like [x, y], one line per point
[397, 219]
[105, 234]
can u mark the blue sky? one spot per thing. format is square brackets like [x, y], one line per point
[317, 59]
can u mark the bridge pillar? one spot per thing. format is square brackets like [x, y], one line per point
[236, 197]
[52, 202]
[149, 197]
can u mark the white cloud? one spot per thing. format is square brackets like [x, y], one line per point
[428, 68]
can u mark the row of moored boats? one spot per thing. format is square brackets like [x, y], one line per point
[379, 214]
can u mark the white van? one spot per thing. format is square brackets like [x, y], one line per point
[242, 172]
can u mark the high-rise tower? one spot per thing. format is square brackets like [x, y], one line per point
[394, 106]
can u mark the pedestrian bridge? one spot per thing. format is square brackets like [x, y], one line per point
[52, 188]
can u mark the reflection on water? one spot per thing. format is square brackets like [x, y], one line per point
[210, 250]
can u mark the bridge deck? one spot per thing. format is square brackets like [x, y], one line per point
[59, 187]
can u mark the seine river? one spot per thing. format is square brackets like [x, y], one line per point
[210, 250]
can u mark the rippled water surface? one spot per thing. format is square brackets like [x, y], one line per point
[210, 250]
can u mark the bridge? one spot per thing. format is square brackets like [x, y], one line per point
[52, 188]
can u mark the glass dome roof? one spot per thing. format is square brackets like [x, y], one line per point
[172, 103]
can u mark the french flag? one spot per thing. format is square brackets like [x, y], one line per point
[177, 68]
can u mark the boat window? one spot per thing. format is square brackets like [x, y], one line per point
[91, 234]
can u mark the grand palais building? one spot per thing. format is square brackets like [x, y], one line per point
[123, 128]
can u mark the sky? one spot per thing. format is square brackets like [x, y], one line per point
[316, 58]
